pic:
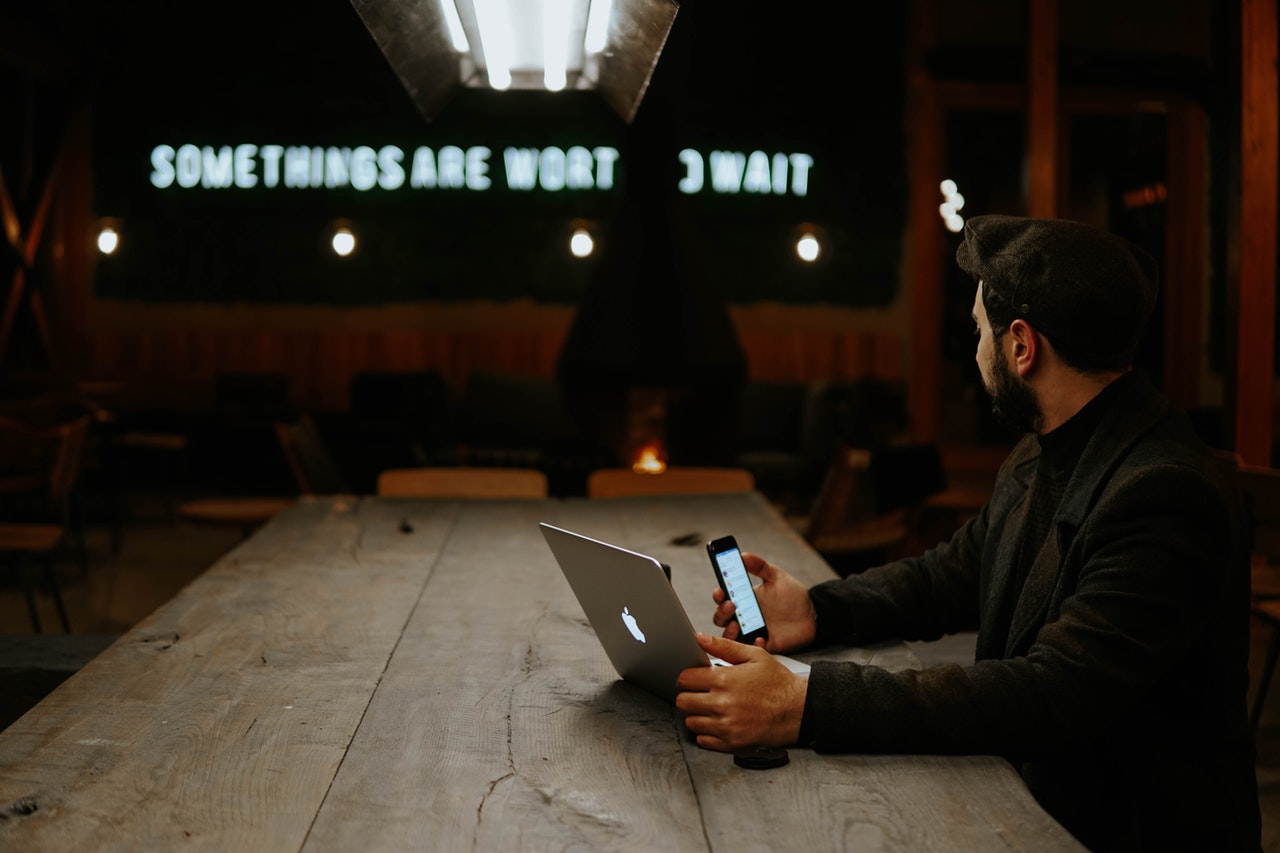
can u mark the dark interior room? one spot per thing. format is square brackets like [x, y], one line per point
[258, 255]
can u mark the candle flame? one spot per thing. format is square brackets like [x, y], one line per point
[649, 460]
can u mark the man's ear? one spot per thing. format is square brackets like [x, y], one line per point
[1024, 343]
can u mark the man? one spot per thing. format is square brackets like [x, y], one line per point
[1106, 579]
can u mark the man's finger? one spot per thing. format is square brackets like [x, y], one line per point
[695, 679]
[726, 649]
[723, 614]
[713, 742]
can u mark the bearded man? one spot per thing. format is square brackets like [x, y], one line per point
[1106, 579]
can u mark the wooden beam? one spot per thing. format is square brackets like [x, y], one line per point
[22, 289]
[925, 273]
[1043, 112]
[1260, 150]
[1186, 251]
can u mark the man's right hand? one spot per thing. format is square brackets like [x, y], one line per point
[784, 601]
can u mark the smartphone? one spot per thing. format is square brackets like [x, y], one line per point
[726, 559]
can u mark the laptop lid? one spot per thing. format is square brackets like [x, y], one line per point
[632, 607]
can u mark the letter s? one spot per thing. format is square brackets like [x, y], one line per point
[162, 166]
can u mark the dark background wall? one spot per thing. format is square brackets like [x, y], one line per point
[744, 78]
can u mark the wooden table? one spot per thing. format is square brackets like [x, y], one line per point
[368, 674]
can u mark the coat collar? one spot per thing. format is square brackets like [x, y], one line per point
[1136, 407]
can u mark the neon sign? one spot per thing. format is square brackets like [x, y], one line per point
[452, 167]
[734, 171]
[390, 167]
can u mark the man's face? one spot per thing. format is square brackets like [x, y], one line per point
[1012, 401]
[985, 355]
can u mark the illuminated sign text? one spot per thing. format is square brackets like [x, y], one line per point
[452, 167]
[734, 172]
[387, 168]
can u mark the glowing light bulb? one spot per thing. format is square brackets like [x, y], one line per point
[808, 248]
[581, 244]
[952, 204]
[108, 240]
[343, 242]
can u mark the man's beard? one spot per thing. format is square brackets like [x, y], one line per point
[1012, 401]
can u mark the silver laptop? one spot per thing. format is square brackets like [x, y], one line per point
[633, 609]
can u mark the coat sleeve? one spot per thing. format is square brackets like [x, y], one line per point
[1137, 586]
[921, 598]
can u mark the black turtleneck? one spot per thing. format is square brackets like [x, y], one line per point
[1060, 450]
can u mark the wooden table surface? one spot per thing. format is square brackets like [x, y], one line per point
[339, 683]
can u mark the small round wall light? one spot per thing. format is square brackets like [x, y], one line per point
[581, 243]
[108, 236]
[582, 238]
[808, 248]
[342, 238]
[809, 242]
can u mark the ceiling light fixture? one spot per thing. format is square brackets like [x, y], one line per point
[610, 46]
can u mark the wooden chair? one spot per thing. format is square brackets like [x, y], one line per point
[313, 470]
[869, 506]
[463, 482]
[313, 466]
[1260, 486]
[246, 514]
[43, 465]
[624, 482]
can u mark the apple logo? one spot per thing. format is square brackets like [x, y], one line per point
[631, 625]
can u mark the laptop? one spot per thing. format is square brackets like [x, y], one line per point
[634, 611]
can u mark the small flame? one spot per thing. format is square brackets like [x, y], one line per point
[649, 460]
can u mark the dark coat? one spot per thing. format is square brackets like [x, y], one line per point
[1114, 679]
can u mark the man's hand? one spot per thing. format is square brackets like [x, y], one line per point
[784, 601]
[755, 702]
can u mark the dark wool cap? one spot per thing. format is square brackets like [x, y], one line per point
[1075, 283]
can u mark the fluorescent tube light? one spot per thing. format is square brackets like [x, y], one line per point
[457, 35]
[495, 41]
[597, 26]
[555, 44]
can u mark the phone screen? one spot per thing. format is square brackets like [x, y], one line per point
[737, 584]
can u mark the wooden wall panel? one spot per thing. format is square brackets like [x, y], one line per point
[177, 368]
[1260, 144]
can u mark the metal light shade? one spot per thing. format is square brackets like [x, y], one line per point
[415, 37]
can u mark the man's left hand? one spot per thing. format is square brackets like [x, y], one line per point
[755, 702]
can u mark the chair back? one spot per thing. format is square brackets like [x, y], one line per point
[624, 482]
[69, 457]
[463, 482]
[870, 507]
[42, 460]
[313, 466]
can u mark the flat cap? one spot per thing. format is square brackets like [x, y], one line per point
[1075, 283]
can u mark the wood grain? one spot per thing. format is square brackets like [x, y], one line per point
[375, 674]
[218, 722]
[499, 723]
